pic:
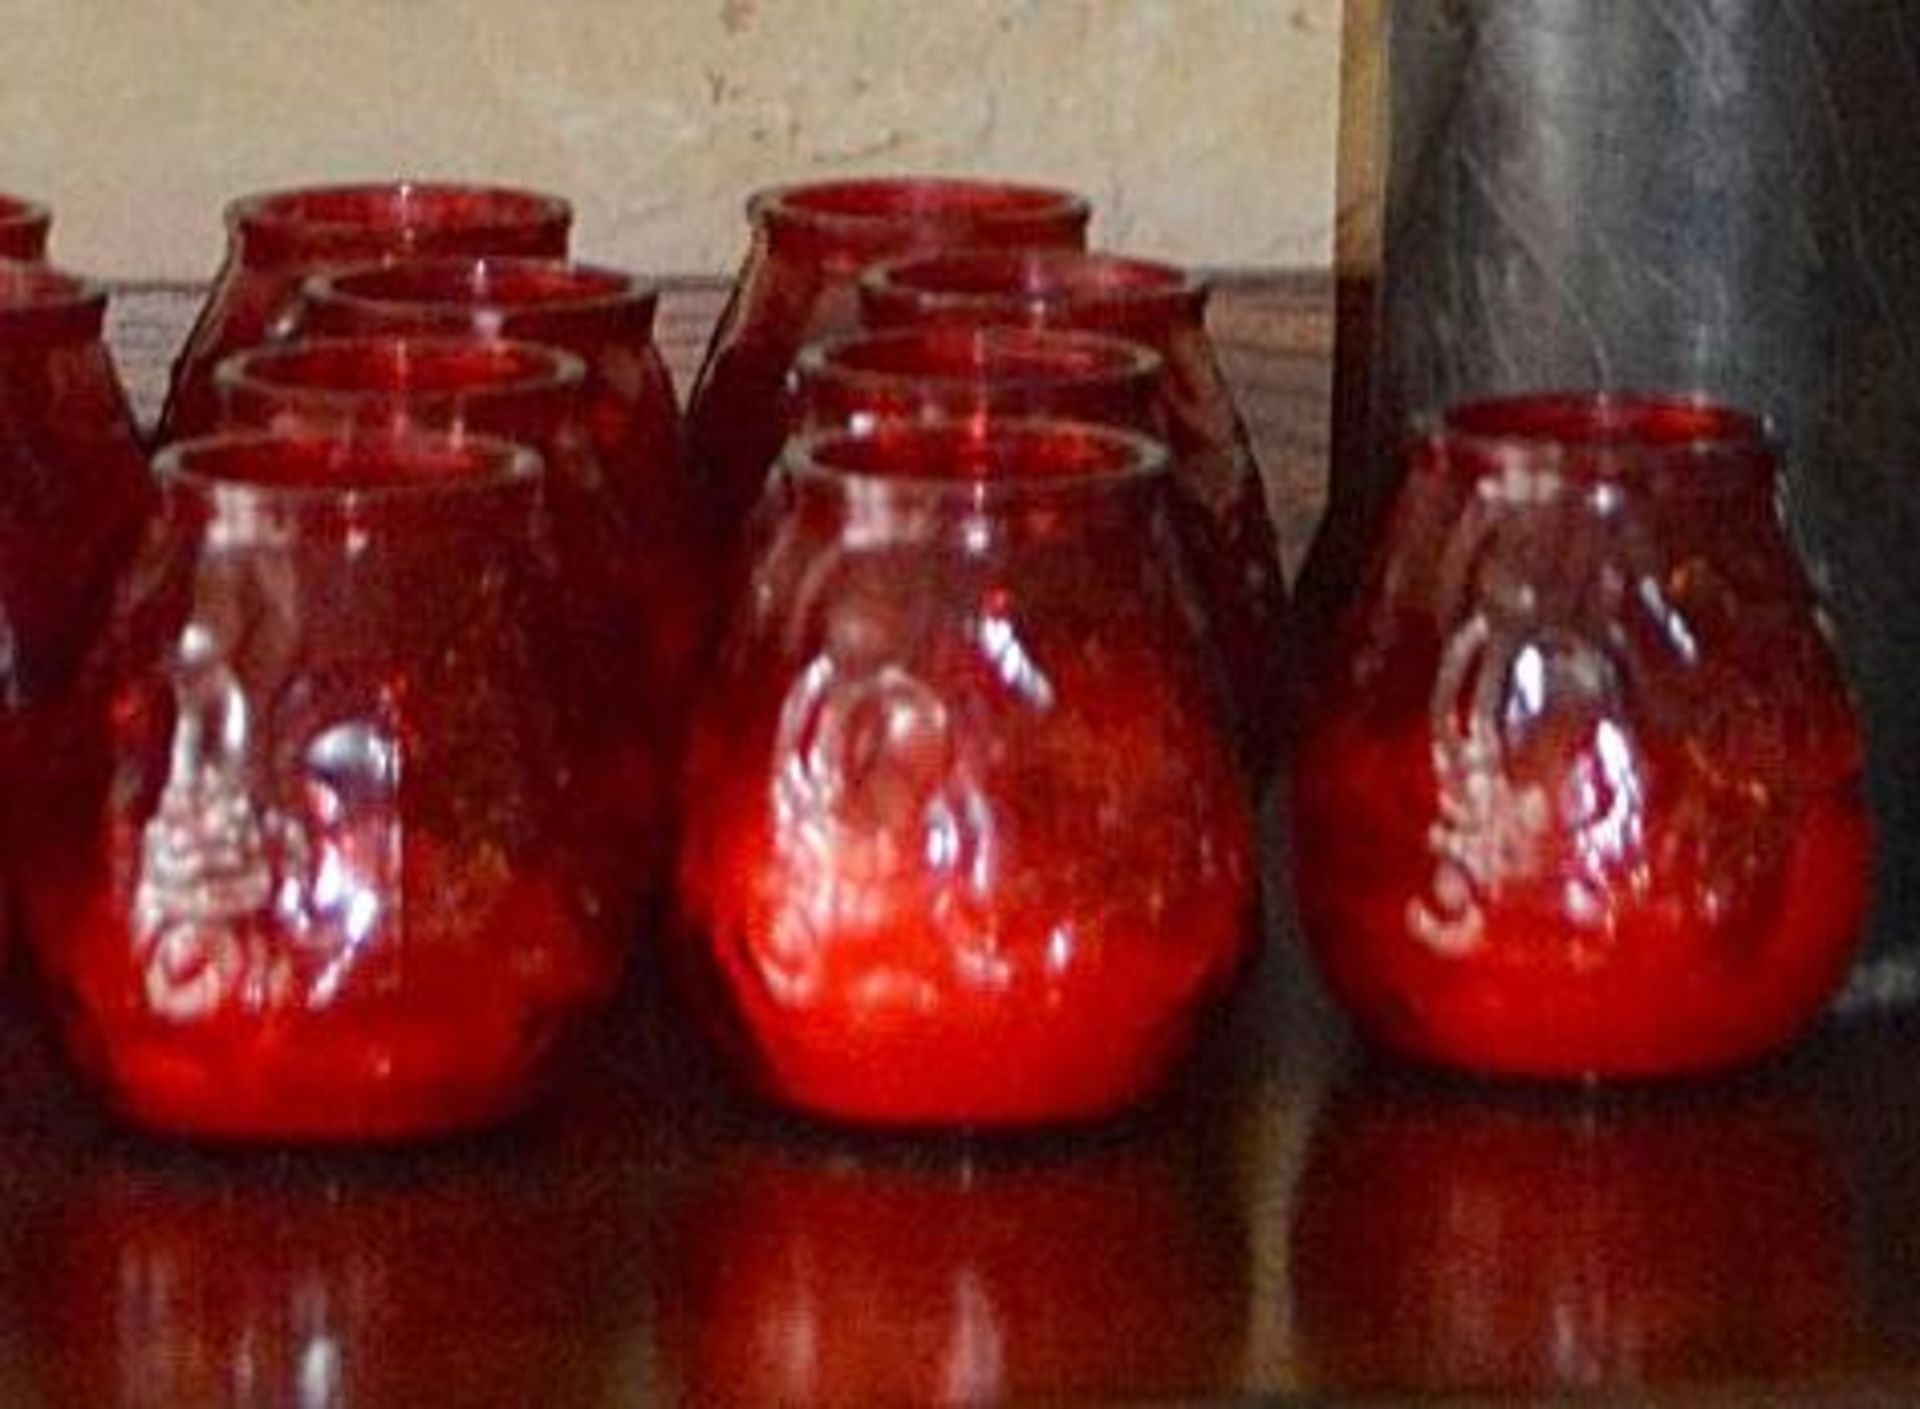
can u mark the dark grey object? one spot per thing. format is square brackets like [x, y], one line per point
[1715, 195]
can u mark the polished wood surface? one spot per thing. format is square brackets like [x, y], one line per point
[1294, 1221]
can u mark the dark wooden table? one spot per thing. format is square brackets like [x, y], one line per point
[1294, 1221]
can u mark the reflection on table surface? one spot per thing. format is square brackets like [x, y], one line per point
[797, 1276]
[1448, 1240]
[1296, 1220]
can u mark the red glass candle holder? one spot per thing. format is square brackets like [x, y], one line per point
[628, 706]
[797, 284]
[1542, 1244]
[277, 238]
[1579, 793]
[24, 226]
[808, 1279]
[605, 317]
[74, 496]
[75, 488]
[319, 877]
[963, 836]
[860, 380]
[1220, 504]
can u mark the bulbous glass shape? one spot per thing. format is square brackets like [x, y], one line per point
[314, 869]
[964, 840]
[1578, 792]
[74, 497]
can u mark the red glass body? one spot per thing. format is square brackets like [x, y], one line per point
[275, 239]
[628, 712]
[1115, 1274]
[963, 834]
[315, 871]
[75, 491]
[606, 318]
[1219, 503]
[74, 496]
[862, 379]
[1449, 1241]
[24, 226]
[797, 284]
[1579, 791]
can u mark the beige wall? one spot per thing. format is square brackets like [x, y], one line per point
[1204, 129]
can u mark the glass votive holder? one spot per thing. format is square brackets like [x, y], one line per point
[314, 878]
[1220, 503]
[75, 490]
[797, 284]
[627, 713]
[24, 226]
[277, 238]
[964, 842]
[74, 497]
[605, 317]
[1579, 789]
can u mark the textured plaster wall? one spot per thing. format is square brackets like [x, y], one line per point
[1204, 129]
